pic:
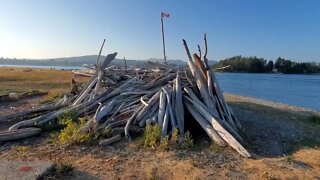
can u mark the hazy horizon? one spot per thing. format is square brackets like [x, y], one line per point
[35, 29]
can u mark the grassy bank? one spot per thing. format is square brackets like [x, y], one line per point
[28, 79]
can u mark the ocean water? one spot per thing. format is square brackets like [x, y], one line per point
[297, 90]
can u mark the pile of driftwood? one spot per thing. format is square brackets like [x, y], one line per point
[159, 94]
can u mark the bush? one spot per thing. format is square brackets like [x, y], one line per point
[188, 141]
[59, 123]
[70, 134]
[152, 135]
[152, 138]
[165, 143]
[65, 168]
[175, 136]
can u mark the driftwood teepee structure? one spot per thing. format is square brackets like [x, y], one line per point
[159, 94]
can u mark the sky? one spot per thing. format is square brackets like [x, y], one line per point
[62, 28]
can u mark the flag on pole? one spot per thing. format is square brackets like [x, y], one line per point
[163, 14]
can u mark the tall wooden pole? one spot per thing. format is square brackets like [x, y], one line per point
[125, 63]
[163, 43]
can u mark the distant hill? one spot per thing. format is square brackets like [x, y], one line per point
[88, 59]
[179, 62]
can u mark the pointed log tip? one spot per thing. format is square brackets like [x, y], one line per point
[184, 41]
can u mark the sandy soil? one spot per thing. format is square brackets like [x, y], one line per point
[285, 143]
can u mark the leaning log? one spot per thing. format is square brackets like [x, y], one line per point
[223, 133]
[214, 136]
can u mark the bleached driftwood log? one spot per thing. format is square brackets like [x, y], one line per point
[18, 134]
[44, 108]
[162, 108]
[179, 113]
[109, 141]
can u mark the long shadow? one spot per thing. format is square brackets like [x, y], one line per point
[272, 132]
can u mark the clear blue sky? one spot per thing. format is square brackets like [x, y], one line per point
[59, 28]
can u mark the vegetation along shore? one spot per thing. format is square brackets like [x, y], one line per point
[255, 64]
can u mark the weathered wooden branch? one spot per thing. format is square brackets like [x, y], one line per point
[179, 112]
[109, 141]
[18, 134]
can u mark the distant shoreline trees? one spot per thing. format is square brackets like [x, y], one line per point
[254, 64]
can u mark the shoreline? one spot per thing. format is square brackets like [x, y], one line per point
[230, 97]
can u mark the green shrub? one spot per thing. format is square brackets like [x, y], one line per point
[188, 141]
[165, 143]
[59, 123]
[65, 168]
[175, 136]
[21, 150]
[51, 138]
[70, 134]
[289, 158]
[152, 135]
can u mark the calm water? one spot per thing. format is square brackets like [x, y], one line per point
[298, 90]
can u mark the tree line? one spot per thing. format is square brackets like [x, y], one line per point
[254, 64]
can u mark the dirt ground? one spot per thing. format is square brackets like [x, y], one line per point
[285, 144]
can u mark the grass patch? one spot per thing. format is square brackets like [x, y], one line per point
[310, 142]
[289, 159]
[52, 96]
[314, 119]
[21, 149]
[65, 168]
[152, 138]
[51, 138]
[214, 147]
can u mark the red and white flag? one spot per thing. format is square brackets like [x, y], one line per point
[163, 14]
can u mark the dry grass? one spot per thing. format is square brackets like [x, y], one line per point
[27, 79]
[53, 95]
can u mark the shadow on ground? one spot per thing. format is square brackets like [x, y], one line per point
[271, 132]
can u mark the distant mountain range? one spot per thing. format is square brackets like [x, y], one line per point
[88, 59]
